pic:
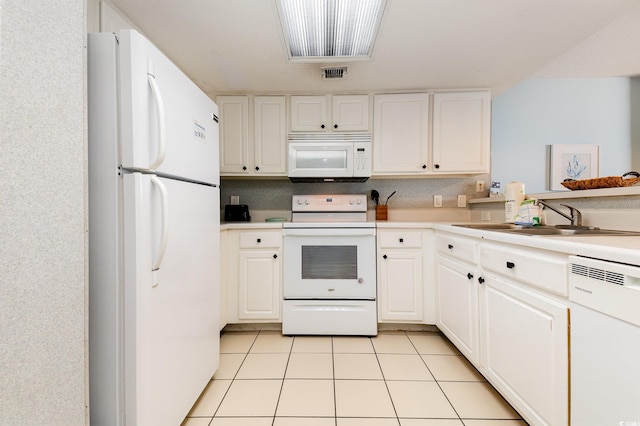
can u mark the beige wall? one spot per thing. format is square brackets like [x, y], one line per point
[43, 213]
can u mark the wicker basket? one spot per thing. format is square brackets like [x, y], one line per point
[628, 179]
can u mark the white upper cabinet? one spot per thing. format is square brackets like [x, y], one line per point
[401, 134]
[270, 135]
[234, 134]
[252, 141]
[347, 113]
[461, 132]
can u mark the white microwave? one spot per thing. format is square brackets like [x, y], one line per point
[329, 157]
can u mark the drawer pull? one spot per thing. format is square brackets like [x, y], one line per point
[259, 240]
[384, 256]
[469, 275]
[402, 240]
[480, 280]
[511, 265]
[275, 256]
[450, 246]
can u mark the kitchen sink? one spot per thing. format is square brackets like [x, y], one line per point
[559, 230]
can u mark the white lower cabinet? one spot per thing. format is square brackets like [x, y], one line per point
[401, 264]
[525, 350]
[457, 302]
[254, 276]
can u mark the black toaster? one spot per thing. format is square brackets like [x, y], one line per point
[236, 213]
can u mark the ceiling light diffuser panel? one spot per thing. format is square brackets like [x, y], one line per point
[326, 30]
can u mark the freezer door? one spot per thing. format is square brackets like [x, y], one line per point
[168, 124]
[171, 296]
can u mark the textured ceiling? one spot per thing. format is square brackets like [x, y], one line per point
[234, 46]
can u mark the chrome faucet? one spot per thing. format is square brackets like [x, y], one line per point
[575, 216]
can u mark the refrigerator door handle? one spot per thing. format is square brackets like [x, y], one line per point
[162, 142]
[164, 232]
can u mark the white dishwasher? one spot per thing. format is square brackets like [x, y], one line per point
[605, 342]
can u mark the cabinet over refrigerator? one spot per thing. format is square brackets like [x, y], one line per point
[153, 235]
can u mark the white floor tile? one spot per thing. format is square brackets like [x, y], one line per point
[432, 343]
[196, 421]
[272, 342]
[420, 399]
[392, 343]
[363, 398]
[237, 342]
[249, 398]
[356, 366]
[362, 421]
[430, 422]
[229, 366]
[307, 398]
[210, 398]
[477, 400]
[310, 366]
[352, 345]
[315, 344]
[304, 421]
[263, 366]
[494, 422]
[452, 368]
[403, 367]
[242, 421]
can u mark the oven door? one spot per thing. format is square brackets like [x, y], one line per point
[330, 263]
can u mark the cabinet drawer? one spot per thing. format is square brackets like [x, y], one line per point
[260, 240]
[460, 248]
[400, 239]
[539, 268]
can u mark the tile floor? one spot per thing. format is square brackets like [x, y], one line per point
[395, 378]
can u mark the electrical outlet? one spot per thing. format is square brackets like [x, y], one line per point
[437, 201]
[485, 216]
[479, 186]
[235, 199]
[462, 200]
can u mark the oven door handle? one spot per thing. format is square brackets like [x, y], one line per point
[329, 232]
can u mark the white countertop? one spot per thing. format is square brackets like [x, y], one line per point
[624, 249]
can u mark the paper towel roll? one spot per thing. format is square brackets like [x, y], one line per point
[513, 196]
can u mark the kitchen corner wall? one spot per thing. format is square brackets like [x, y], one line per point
[43, 226]
[275, 194]
[545, 111]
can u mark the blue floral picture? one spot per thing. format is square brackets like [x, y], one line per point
[576, 162]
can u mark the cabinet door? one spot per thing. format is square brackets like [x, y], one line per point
[234, 134]
[461, 132]
[401, 133]
[270, 135]
[525, 350]
[309, 113]
[350, 113]
[259, 285]
[457, 305]
[400, 285]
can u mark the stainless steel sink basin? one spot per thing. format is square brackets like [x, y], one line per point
[559, 230]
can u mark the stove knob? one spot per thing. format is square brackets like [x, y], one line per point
[358, 202]
[306, 202]
[351, 202]
[299, 202]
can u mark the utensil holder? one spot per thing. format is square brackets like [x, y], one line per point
[381, 212]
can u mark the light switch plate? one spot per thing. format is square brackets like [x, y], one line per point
[462, 200]
[235, 200]
[437, 201]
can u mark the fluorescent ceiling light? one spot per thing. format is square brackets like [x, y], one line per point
[330, 29]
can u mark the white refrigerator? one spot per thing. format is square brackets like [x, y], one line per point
[154, 217]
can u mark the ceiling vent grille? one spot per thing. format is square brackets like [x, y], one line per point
[334, 73]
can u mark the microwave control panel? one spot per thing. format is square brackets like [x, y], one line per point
[362, 159]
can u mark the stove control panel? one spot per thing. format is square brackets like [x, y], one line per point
[329, 203]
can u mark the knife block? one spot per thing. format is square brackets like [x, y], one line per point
[381, 212]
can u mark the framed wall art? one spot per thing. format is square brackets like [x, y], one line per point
[575, 162]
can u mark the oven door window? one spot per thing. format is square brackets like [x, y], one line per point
[324, 262]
